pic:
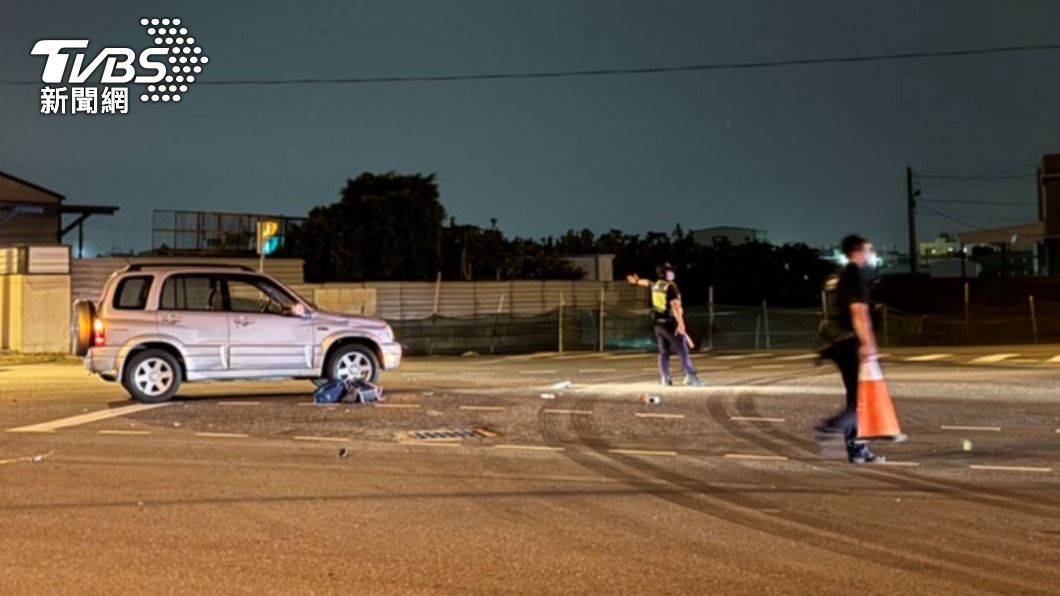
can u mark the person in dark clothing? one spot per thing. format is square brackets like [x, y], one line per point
[853, 341]
[669, 317]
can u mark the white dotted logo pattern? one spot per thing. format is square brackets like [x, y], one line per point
[185, 59]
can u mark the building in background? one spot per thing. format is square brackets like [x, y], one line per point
[31, 215]
[598, 267]
[208, 233]
[731, 235]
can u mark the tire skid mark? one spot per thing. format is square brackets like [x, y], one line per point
[746, 511]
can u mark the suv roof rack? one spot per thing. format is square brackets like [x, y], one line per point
[142, 266]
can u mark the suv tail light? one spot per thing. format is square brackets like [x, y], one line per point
[99, 333]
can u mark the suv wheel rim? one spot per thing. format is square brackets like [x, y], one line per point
[353, 366]
[153, 377]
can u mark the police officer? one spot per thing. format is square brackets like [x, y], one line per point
[669, 316]
[853, 340]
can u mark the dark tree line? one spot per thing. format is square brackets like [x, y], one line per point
[394, 227]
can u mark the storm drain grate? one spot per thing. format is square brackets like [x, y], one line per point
[450, 434]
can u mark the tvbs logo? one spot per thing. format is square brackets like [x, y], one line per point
[168, 69]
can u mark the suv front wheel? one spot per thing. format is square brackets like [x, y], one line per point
[353, 361]
[152, 376]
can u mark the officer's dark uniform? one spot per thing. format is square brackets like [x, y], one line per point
[854, 286]
[663, 293]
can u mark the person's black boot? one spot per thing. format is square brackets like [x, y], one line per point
[859, 453]
[667, 381]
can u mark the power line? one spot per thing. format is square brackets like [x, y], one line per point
[964, 223]
[982, 177]
[974, 202]
[556, 74]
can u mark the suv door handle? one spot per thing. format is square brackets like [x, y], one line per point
[243, 322]
[173, 320]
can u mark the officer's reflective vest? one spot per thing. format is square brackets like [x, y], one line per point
[659, 303]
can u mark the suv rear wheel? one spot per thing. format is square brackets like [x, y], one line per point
[152, 376]
[353, 361]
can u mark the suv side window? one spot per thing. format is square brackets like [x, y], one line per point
[192, 292]
[256, 295]
[132, 293]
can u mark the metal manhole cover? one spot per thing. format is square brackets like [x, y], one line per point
[450, 434]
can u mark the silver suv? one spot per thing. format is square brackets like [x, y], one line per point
[156, 326]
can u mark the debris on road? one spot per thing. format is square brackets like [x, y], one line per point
[561, 386]
[651, 400]
[966, 445]
[176, 425]
[548, 396]
[351, 391]
[35, 459]
[344, 453]
[470, 354]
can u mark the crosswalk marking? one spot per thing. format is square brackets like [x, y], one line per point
[928, 357]
[992, 359]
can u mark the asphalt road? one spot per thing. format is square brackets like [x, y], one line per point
[468, 481]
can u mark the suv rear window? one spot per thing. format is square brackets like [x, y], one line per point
[132, 293]
[192, 292]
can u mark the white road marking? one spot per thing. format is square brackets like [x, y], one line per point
[597, 370]
[429, 443]
[749, 456]
[643, 452]
[538, 372]
[991, 359]
[583, 412]
[322, 439]
[1024, 361]
[54, 425]
[910, 464]
[648, 415]
[767, 366]
[995, 429]
[483, 408]
[1054, 360]
[1012, 468]
[799, 356]
[756, 419]
[928, 357]
[131, 433]
[222, 435]
[312, 404]
[629, 356]
[529, 447]
[239, 403]
[398, 406]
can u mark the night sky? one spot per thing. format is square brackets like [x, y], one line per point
[807, 153]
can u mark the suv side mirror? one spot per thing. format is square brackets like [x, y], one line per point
[295, 310]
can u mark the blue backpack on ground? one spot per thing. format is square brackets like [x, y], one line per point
[331, 392]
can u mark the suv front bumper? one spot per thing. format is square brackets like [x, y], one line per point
[392, 353]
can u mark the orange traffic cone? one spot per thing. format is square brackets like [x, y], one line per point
[876, 416]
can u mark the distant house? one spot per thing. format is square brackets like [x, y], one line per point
[727, 235]
[33, 215]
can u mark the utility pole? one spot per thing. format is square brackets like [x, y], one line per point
[911, 209]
